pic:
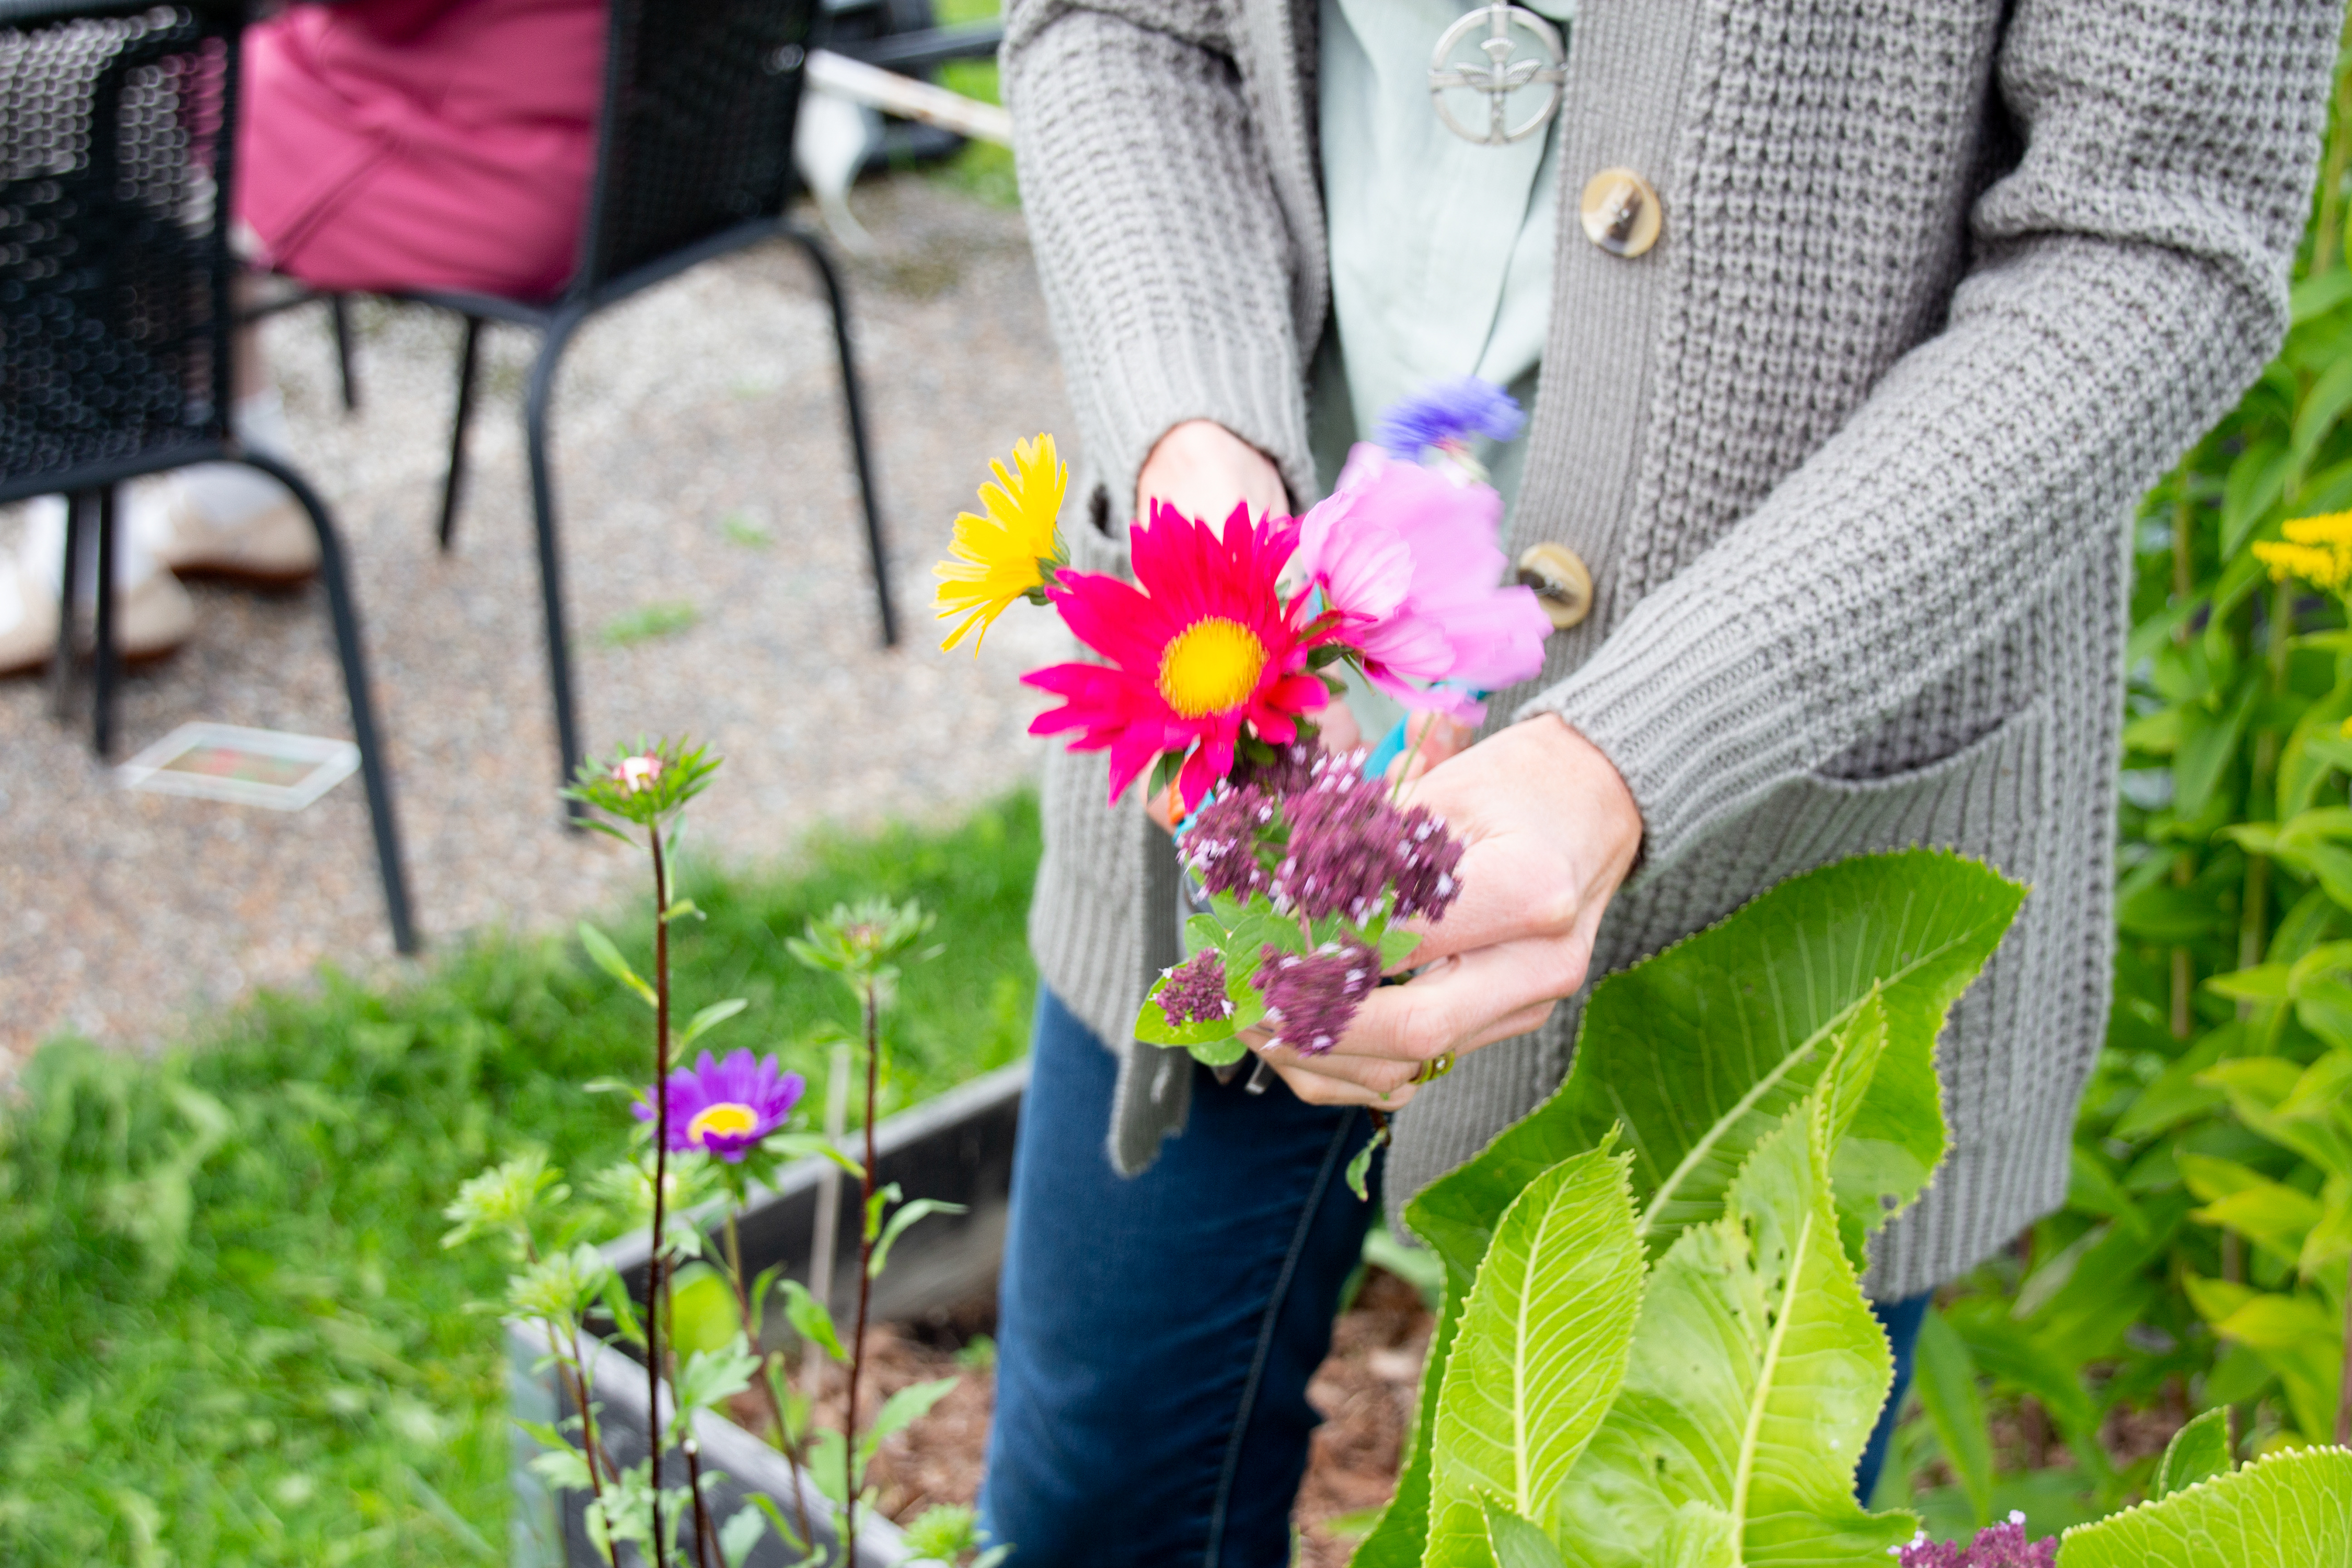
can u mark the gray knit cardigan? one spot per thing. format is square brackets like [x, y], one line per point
[1852, 453]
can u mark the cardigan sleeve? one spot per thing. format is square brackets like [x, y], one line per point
[1168, 271]
[2129, 279]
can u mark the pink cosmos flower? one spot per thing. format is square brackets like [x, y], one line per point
[1410, 559]
[1202, 646]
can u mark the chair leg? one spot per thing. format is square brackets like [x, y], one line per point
[339, 314]
[61, 666]
[550, 558]
[855, 408]
[353, 655]
[103, 663]
[468, 355]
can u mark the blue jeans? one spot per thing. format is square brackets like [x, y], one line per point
[1901, 1320]
[1155, 1334]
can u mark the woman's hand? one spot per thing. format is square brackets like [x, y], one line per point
[1202, 468]
[1551, 831]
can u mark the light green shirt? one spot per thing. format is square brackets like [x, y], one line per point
[1441, 248]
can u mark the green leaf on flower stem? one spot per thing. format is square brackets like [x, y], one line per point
[828, 1466]
[1542, 1346]
[900, 1411]
[608, 958]
[899, 1221]
[812, 1319]
[1360, 1164]
[2208, 746]
[2307, 1109]
[1514, 1542]
[710, 1018]
[811, 1146]
[877, 1205]
[2272, 1215]
[708, 1378]
[2198, 1452]
[1759, 1433]
[1947, 1389]
[2296, 1336]
[793, 1545]
[2322, 407]
[2176, 1095]
[2256, 478]
[2290, 1507]
[739, 1534]
[2314, 747]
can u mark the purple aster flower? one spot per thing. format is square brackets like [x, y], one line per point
[1310, 999]
[1350, 846]
[1195, 992]
[725, 1108]
[1443, 413]
[1998, 1546]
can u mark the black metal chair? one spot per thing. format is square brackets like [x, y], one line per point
[693, 161]
[115, 180]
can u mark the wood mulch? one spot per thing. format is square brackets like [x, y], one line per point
[1364, 1391]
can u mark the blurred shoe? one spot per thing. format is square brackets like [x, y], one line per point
[274, 547]
[153, 613]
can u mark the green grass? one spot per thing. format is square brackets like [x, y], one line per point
[648, 622]
[981, 169]
[232, 1335]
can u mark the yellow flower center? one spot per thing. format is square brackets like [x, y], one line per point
[724, 1119]
[1211, 667]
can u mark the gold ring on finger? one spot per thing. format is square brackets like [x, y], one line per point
[1436, 1067]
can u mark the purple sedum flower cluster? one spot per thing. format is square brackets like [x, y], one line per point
[2003, 1545]
[1310, 998]
[1444, 412]
[1324, 840]
[1195, 992]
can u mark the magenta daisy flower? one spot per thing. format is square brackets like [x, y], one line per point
[724, 1107]
[1203, 646]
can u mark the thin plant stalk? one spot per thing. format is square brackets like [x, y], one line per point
[864, 1275]
[576, 1384]
[703, 1528]
[766, 1385]
[655, 1284]
[828, 1201]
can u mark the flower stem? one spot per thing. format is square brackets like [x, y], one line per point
[654, 1281]
[766, 1385]
[851, 1470]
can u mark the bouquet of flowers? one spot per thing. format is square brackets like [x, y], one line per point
[1211, 667]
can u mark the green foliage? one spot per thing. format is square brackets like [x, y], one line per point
[234, 1335]
[2293, 1508]
[1729, 1423]
[648, 622]
[1696, 1054]
[2198, 1452]
[2205, 1235]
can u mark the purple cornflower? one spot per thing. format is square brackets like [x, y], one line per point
[1998, 1546]
[1312, 998]
[1222, 845]
[1443, 413]
[725, 1108]
[1350, 846]
[1195, 992]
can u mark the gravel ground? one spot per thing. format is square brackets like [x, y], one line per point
[700, 461]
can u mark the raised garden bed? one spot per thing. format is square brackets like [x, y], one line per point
[957, 1147]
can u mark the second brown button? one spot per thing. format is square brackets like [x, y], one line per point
[1621, 212]
[1562, 584]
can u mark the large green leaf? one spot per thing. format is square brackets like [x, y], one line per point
[1541, 1348]
[1699, 1050]
[2291, 1508]
[1756, 1373]
[1947, 1389]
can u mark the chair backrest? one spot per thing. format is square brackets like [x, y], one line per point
[114, 265]
[700, 99]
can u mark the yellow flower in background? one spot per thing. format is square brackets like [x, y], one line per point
[2317, 549]
[1009, 553]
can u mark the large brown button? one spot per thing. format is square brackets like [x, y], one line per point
[1621, 212]
[1563, 588]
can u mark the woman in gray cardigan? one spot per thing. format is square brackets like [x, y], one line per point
[1858, 327]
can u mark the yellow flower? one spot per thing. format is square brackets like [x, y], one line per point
[1008, 553]
[2317, 549]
